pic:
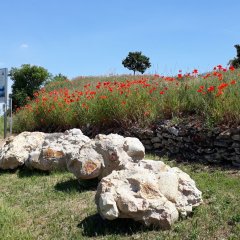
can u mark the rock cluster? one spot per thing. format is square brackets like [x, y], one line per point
[192, 141]
[130, 187]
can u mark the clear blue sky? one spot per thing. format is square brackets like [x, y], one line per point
[92, 37]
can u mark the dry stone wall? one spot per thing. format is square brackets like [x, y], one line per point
[192, 141]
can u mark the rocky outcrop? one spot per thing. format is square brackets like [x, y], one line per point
[15, 151]
[148, 191]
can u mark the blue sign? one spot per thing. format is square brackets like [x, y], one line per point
[3, 85]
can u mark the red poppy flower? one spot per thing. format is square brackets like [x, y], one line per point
[211, 88]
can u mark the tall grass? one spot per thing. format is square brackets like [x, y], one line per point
[125, 101]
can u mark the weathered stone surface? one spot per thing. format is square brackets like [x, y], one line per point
[237, 150]
[224, 135]
[148, 191]
[155, 140]
[56, 150]
[221, 143]
[102, 155]
[157, 145]
[236, 137]
[173, 131]
[87, 163]
[15, 152]
[134, 148]
[148, 147]
[236, 145]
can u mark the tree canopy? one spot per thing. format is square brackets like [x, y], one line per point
[135, 61]
[236, 61]
[26, 80]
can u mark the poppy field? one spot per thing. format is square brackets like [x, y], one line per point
[124, 101]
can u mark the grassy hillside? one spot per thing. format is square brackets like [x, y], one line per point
[133, 100]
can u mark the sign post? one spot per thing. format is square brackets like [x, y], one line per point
[11, 118]
[3, 95]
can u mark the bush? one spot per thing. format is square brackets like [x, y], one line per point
[26, 80]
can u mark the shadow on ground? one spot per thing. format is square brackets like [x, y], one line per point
[73, 185]
[94, 225]
[197, 164]
[24, 172]
[8, 171]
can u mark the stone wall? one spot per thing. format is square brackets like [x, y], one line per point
[192, 141]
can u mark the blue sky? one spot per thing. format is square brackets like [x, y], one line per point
[92, 37]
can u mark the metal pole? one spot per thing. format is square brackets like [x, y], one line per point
[10, 106]
[5, 120]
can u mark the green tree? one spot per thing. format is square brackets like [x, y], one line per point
[26, 80]
[236, 61]
[135, 61]
[57, 78]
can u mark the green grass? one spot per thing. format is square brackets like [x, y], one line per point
[35, 205]
[124, 101]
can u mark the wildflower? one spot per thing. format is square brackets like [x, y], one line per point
[200, 89]
[211, 88]
[219, 67]
[233, 82]
[231, 68]
[222, 86]
[180, 75]
[219, 93]
[103, 97]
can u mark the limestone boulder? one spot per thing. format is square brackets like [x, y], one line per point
[16, 150]
[134, 148]
[148, 191]
[103, 154]
[111, 148]
[86, 163]
[56, 149]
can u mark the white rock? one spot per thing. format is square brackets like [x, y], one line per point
[16, 150]
[108, 206]
[56, 150]
[134, 148]
[85, 164]
[148, 191]
[103, 154]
